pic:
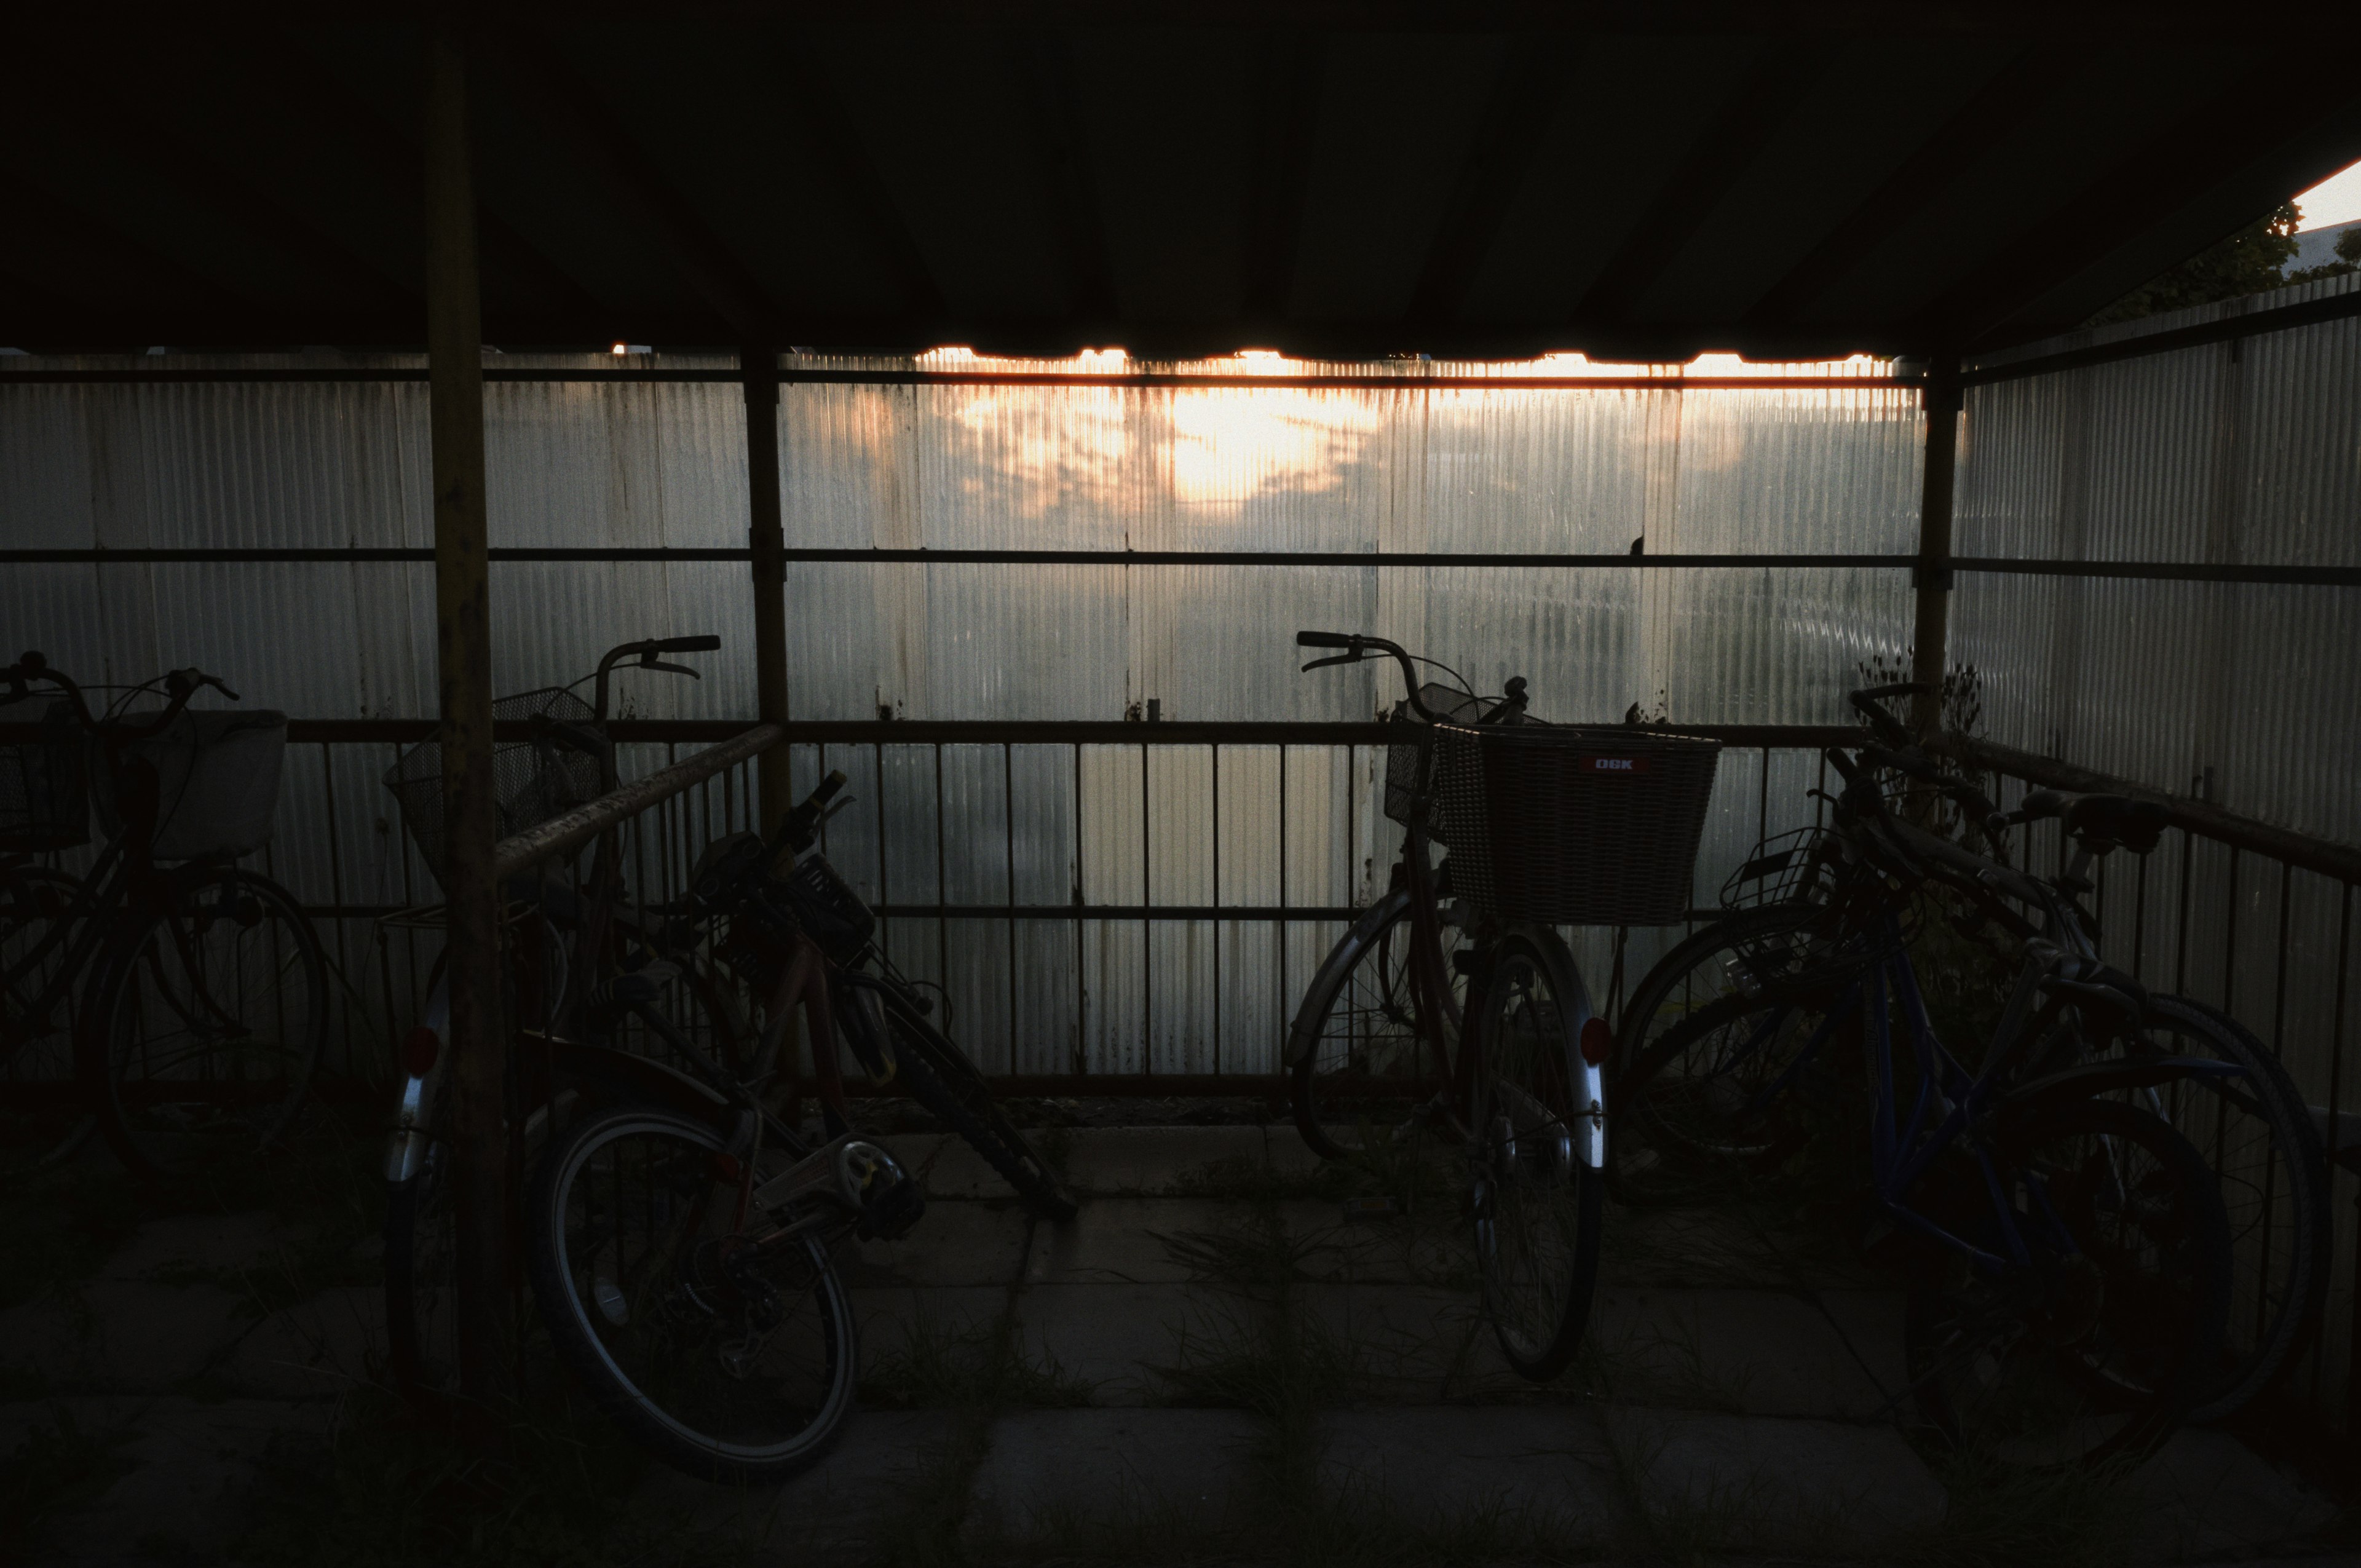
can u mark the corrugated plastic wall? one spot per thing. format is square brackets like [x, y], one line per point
[2244, 452]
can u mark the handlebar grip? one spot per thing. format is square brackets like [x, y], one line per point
[1324, 639]
[707, 643]
[827, 789]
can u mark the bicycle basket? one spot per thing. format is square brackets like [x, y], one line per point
[216, 783]
[1571, 827]
[829, 912]
[532, 781]
[1401, 756]
[45, 787]
[1787, 868]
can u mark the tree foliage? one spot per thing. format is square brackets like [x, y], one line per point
[2247, 262]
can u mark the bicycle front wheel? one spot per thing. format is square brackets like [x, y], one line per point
[2098, 1333]
[1362, 1066]
[42, 1121]
[728, 1354]
[1536, 1202]
[206, 1022]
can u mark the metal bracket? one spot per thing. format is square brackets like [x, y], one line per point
[1936, 577]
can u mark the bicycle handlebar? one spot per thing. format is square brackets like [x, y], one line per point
[647, 647]
[1357, 648]
[180, 685]
[1887, 727]
[1325, 639]
[799, 827]
[709, 643]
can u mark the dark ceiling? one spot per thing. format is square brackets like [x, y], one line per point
[1636, 181]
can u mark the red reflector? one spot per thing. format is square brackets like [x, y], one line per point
[1598, 1042]
[727, 1169]
[418, 1051]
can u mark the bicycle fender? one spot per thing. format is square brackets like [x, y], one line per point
[1302, 1033]
[2087, 1078]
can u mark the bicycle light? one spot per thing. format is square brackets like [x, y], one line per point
[1598, 1041]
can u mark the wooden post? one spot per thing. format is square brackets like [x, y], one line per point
[454, 377]
[765, 535]
[1932, 577]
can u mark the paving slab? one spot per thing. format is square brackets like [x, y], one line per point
[947, 1166]
[1711, 1248]
[1835, 1355]
[1095, 1479]
[1709, 1483]
[127, 1334]
[189, 1492]
[1410, 1343]
[957, 1243]
[1533, 1478]
[830, 1513]
[195, 1248]
[2208, 1496]
[1125, 1241]
[319, 1348]
[914, 1337]
[1123, 1343]
[1157, 1161]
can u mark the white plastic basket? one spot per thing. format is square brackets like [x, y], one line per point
[217, 778]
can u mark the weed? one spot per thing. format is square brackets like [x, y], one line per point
[1237, 1180]
[967, 1366]
[2002, 1514]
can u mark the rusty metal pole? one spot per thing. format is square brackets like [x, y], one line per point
[766, 536]
[454, 377]
[1932, 577]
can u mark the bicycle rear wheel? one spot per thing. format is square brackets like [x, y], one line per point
[1361, 1069]
[206, 1022]
[2094, 1350]
[43, 1119]
[729, 1355]
[1537, 1204]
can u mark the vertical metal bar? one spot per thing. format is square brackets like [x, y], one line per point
[1008, 814]
[2181, 951]
[2336, 1126]
[1940, 401]
[2139, 921]
[1762, 805]
[2279, 999]
[1081, 985]
[1281, 925]
[2230, 937]
[337, 890]
[942, 887]
[885, 928]
[463, 644]
[1217, 906]
[758, 366]
[1146, 932]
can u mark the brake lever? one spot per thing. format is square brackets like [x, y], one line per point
[1336, 659]
[834, 806]
[670, 669]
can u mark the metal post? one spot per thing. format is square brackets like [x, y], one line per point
[1933, 574]
[766, 537]
[463, 646]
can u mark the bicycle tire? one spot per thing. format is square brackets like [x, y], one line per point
[1357, 1012]
[241, 1005]
[669, 1309]
[2077, 1346]
[35, 1136]
[2278, 1192]
[941, 1078]
[1702, 968]
[1533, 1187]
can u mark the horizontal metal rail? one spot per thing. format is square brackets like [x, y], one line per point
[1148, 380]
[569, 830]
[2297, 576]
[2279, 318]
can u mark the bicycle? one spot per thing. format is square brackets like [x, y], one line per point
[202, 1010]
[2252, 1125]
[1515, 802]
[2069, 1253]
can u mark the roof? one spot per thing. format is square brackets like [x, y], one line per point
[1329, 179]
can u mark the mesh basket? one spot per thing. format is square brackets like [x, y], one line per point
[1786, 868]
[1402, 758]
[532, 781]
[216, 783]
[830, 913]
[1569, 827]
[45, 787]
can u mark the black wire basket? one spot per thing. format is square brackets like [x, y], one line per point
[1573, 826]
[1786, 868]
[532, 781]
[1401, 756]
[829, 912]
[45, 788]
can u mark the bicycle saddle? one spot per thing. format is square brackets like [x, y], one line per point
[2102, 821]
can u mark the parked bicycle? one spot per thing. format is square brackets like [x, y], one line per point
[184, 996]
[1454, 1002]
[1802, 904]
[2068, 1251]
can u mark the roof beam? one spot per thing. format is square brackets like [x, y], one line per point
[2281, 96]
[826, 122]
[1751, 113]
[1535, 70]
[1294, 84]
[563, 105]
[1043, 65]
[27, 201]
[2012, 92]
